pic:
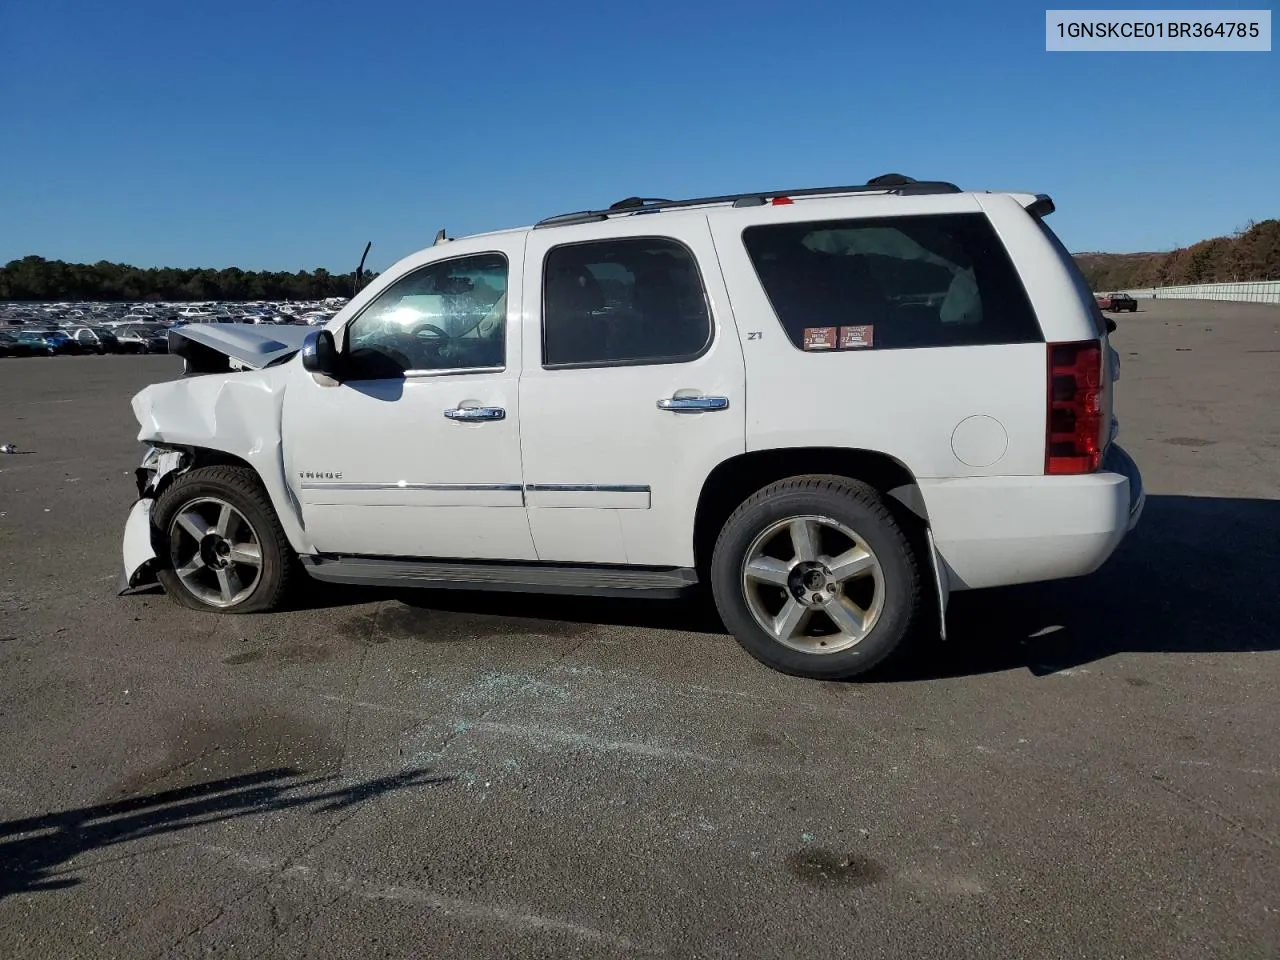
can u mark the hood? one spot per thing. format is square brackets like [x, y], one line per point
[219, 347]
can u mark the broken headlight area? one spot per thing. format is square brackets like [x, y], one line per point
[158, 463]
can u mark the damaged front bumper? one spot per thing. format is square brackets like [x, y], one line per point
[139, 547]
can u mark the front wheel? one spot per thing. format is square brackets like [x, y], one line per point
[220, 543]
[815, 577]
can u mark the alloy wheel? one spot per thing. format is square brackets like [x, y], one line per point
[215, 551]
[813, 584]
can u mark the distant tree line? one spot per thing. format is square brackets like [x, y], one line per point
[1249, 254]
[35, 278]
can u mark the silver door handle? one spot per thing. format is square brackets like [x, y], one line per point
[476, 413]
[693, 404]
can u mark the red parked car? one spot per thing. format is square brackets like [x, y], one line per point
[1117, 302]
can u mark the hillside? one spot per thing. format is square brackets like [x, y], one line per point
[1252, 254]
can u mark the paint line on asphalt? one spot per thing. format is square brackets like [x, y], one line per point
[457, 907]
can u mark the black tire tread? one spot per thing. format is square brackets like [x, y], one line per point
[874, 503]
[244, 482]
[858, 490]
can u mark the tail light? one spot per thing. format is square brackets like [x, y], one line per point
[1079, 420]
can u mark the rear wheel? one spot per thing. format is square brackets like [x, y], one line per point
[815, 577]
[220, 542]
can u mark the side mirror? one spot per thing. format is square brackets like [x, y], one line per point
[1111, 325]
[320, 353]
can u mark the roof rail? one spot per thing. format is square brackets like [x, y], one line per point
[887, 183]
[632, 202]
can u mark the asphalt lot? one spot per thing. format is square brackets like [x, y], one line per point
[1090, 769]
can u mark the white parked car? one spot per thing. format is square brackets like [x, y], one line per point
[834, 407]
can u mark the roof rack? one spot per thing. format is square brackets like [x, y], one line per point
[886, 183]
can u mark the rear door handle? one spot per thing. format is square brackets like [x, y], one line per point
[476, 413]
[693, 404]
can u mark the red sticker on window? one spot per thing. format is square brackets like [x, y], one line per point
[852, 338]
[819, 338]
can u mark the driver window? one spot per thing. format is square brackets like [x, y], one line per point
[450, 315]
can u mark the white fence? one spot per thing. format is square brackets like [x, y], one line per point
[1262, 291]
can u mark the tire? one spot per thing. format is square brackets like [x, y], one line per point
[887, 593]
[204, 494]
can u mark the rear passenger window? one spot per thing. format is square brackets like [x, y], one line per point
[626, 301]
[893, 282]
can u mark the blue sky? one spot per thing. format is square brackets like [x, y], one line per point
[283, 135]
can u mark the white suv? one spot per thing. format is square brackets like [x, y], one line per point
[834, 406]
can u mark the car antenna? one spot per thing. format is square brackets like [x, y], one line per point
[440, 237]
[360, 269]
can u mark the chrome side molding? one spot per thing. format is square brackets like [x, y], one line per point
[587, 488]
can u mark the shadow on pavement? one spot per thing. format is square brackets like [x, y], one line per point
[32, 848]
[696, 614]
[1197, 575]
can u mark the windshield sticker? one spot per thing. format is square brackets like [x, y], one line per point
[819, 338]
[852, 338]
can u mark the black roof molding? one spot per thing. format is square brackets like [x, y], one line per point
[890, 180]
[632, 202]
[886, 183]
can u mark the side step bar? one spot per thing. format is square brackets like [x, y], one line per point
[583, 580]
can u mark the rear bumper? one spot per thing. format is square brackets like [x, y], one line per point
[1118, 461]
[997, 531]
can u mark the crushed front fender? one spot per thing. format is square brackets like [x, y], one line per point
[138, 549]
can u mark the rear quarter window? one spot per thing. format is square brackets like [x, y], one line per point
[892, 283]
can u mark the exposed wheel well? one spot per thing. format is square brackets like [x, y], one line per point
[734, 480]
[204, 457]
[196, 457]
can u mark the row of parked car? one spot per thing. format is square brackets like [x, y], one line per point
[24, 341]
